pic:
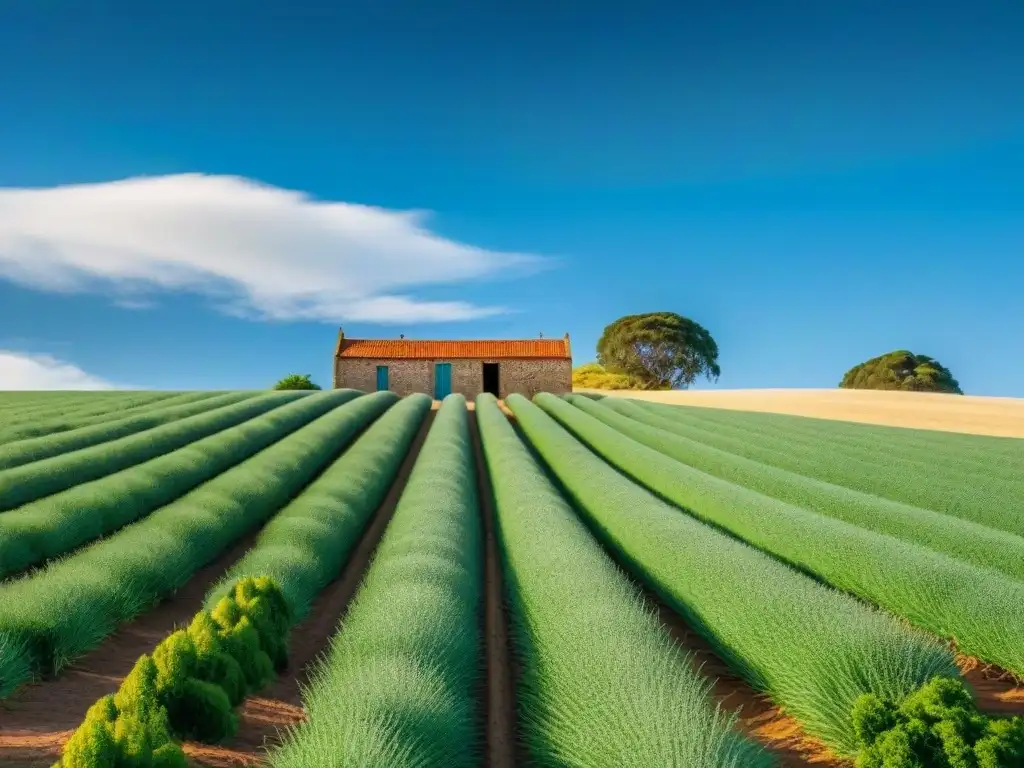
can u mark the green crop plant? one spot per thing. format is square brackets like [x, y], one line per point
[812, 648]
[116, 403]
[961, 539]
[398, 686]
[587, 645]
[308, 542]
[929, 486]
[28, 482]
[35, 449]
[56, 524]
[895, 442]
[40, 427]
[978, 607]
[972, 461]
[56, 613]
[190, 685]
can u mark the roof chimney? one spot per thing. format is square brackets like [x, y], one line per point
[401, 335]
[542, 334]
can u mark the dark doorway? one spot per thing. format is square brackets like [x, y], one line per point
[492, 381]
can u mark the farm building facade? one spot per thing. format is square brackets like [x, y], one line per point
[439, 368]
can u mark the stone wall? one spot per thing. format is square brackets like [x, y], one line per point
[526, 377]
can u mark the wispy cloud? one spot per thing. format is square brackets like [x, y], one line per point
[255, 250]
[20, 371]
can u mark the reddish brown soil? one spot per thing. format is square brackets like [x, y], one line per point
[758, 718]
[499, 698]
[998, 692]
[264, 717]
[37, 720]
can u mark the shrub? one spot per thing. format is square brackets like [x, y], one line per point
[190, 685]
[937, 726]
[901, 370]
[127, 729]
[594, 376]
[296, 381]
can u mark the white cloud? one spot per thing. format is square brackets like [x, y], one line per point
[257, 251]
[20, 371]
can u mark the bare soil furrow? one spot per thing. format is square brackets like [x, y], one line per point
[997, 691]
[500, 704]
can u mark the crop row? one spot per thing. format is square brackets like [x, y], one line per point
[28, 482]
[961, 539]
[300, 550]
[898, 443]
[24, 451]
[53, 615]
[586, 643]
[26, 417]
[976, 606]
[56, 524]
[397, 686]
[979, 499]
[963, 458]
[306, 544]
[42, 426]
[816, 651]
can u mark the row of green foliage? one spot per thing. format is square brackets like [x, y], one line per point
[48, 424]
[33, 398]
[977, 607]
[38, 448]
[398, 685]
[51, 616]
[813, 649]
[978, 499]
[893, 443]
[961, 539]
[586, 643]
[56, 524]
[28, 482]
[944, 462]
[26, 422]
[16, 403]
[303, 547]
[190, 685]
[307, 543]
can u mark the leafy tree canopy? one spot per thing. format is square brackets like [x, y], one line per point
[902, 370]
[594, 376]
[659, 350]
[296, 381]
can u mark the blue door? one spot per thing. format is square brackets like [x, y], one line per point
[442, 380]
[382, 378]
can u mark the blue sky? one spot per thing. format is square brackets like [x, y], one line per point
[815, 184]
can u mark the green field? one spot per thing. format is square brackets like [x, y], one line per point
[172, 560]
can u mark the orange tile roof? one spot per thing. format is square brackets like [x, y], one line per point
[417, 349]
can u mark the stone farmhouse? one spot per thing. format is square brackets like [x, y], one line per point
[439, 368]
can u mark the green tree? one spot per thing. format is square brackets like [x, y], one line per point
[902, 370]
[659, 350]
[296, 381]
